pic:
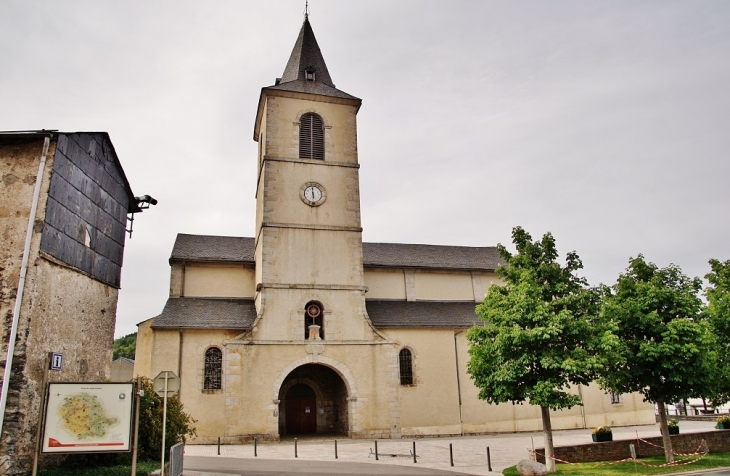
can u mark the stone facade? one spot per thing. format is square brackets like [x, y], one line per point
[71, 286]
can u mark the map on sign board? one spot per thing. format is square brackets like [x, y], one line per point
[88, 417]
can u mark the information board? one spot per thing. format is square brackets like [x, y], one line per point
[88, 418]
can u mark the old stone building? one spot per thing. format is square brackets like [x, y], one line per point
[64, 202]
[303, 328]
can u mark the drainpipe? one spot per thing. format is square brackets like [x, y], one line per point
[21, 283]
[458, 384]
[179, 361]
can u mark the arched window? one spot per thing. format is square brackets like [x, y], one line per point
[213, 369]
[311, 137]
[313, 315]
[406, 367]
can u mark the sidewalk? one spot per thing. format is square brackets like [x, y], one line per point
[470, 452]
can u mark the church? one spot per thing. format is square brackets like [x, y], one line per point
[305, 329]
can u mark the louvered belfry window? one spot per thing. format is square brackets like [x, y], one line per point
[406, 367]
[213, 369]
[311, 137]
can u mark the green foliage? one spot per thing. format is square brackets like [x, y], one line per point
[125, 346]
[718, 311]
[664, 347]
[723, 419]
[713, 460]
[179, 424]
[122, 469]
[673, 423]
[542, 329]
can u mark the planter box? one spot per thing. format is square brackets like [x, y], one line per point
[672, 431]
[603, 437]
[723, 426]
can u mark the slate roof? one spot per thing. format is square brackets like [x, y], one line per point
[306, 54]
[213, 248]
[388, 255]
[401, 255]
[408, 314]
[205, 313]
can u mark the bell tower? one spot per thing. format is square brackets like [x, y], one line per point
[308, 230]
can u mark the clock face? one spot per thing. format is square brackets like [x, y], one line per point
[313, 194]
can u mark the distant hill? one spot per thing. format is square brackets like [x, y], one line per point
[125, 346]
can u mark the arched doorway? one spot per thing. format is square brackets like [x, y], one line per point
[313, 400]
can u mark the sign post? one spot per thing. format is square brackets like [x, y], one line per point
[165, 382]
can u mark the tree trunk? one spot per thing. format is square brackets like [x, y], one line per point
[548, 430]
[668, 454]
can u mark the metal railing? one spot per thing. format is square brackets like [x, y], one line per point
[176, 460]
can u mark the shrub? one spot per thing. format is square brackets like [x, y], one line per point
[673, 423]
[724, 419]
[179, 425]
[602, 430]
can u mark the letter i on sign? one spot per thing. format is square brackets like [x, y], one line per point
[56, 361]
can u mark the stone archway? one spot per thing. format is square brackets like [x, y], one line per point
[313, 399]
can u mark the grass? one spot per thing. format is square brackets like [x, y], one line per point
[143, 469]
[713, 460]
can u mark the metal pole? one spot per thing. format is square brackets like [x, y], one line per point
[255, 450]
[414, 452]
[296, 455]
[335, 449]
[135, 435]
[376, 450]
[164, 423]
[451, 454]
[38, 434]
[489, 460]
[219, 446]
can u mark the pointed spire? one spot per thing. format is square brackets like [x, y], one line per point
[306, 56]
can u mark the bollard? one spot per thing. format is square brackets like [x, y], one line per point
[489, 460]
[335, 449]
[295, 448]
[451, 453]
[219, 446]
[376, 450]
[414, 451]
[255, 449]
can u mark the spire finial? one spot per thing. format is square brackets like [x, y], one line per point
[306, 9]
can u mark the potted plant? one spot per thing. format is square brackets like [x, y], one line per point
[602, 433]
[673, 426]
[723, 422]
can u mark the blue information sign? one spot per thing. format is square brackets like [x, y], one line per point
[56, 361]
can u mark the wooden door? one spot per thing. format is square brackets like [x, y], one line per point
[301, 410]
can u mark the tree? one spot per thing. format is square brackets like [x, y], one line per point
[125, 346]
[718, 311]
[664, 348]
[540, 334]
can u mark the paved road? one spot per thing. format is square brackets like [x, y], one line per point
[214, 465]
[470, 456]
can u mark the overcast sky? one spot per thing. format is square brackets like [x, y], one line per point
[605, 123]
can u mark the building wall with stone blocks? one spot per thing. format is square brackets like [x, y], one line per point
[69, 304]
[285, 371]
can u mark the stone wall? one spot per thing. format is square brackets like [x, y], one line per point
[717, 441]
[63, 308]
